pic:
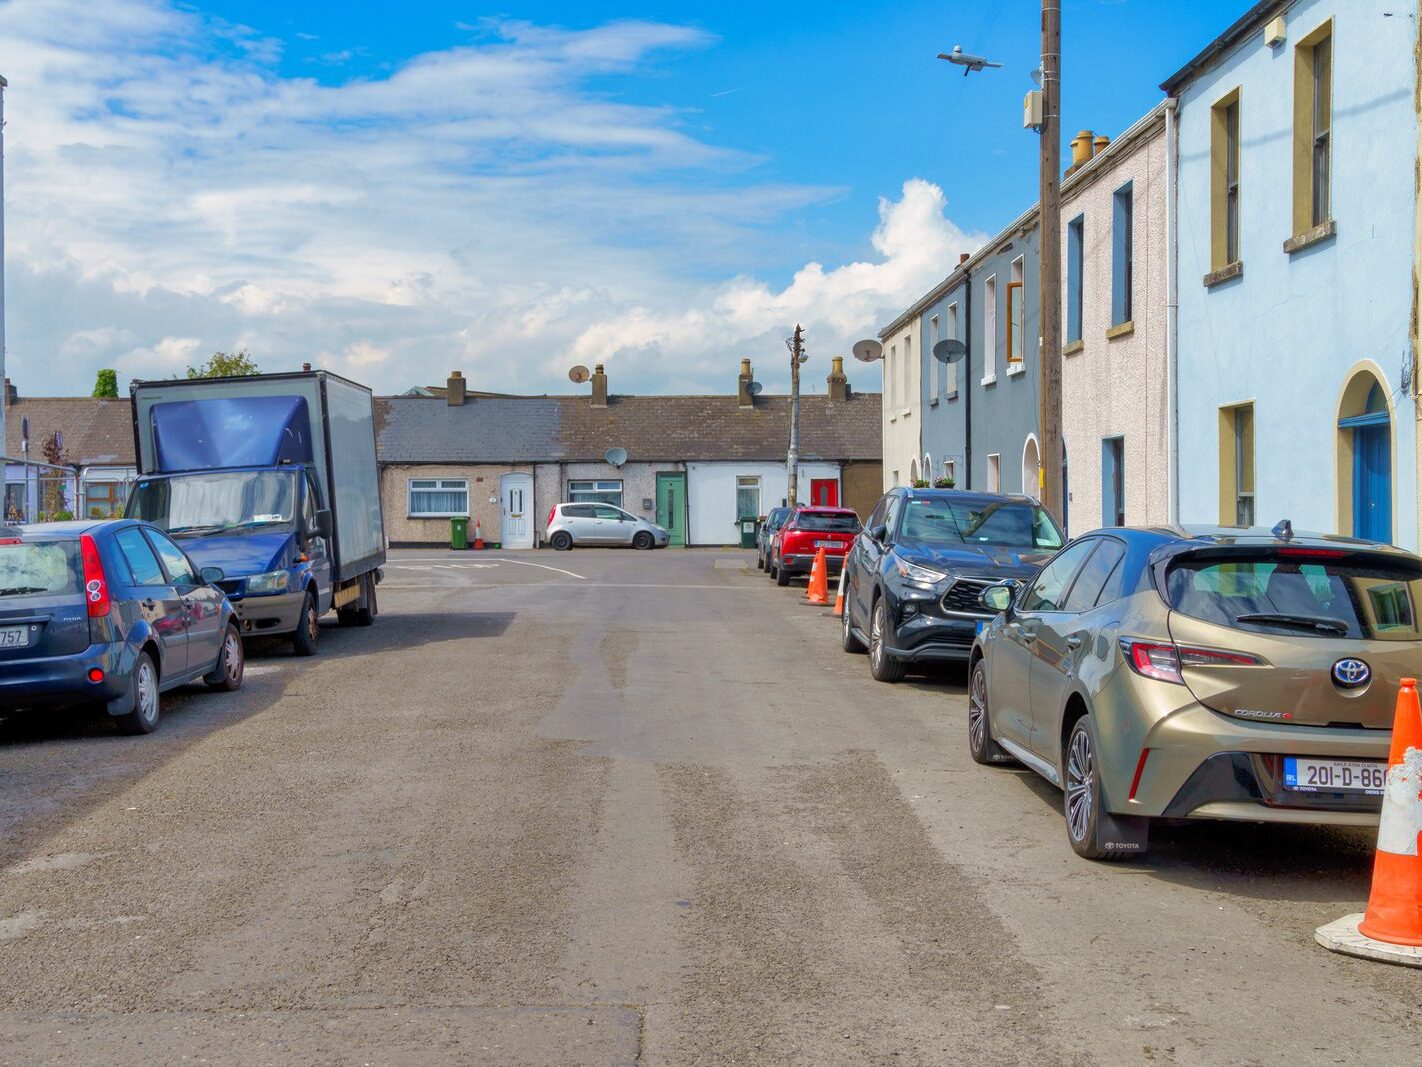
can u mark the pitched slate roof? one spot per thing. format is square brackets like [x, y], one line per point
[651, 429]
[97, 432]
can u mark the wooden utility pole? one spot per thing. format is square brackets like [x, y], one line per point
[792, 461]
[1049, 357]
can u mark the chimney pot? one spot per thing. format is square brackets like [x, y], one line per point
[838, 383]
[454, 389]
[599, 387]
[1099, 144]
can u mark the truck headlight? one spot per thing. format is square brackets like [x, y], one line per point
[271, 582]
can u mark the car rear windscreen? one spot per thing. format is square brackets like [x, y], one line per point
[39, 568]
[1353, 595]
[827, 523]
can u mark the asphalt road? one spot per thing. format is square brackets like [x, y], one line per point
[615, 807]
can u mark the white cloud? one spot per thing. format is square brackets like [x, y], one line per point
[169, 195]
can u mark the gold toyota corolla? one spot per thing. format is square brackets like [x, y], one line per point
[1190, 673]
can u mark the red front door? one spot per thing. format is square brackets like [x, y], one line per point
[824, 492]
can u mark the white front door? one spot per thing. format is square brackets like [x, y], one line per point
[516, 511]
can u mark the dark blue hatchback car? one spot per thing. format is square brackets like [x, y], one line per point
[109, 615]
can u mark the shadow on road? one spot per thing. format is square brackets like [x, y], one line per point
[390, 633]
[1265, 861]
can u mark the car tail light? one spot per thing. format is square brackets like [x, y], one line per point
[10, 541]
[96, 584]
[551, 512]
[1153, 660]
[1313, 553]
[1213, 657]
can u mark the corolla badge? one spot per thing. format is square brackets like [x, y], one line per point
[1351, 673]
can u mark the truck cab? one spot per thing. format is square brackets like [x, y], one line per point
[266, 527]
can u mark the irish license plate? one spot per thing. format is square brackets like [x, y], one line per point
[826, 544]
[1334, 775]
[14, 636]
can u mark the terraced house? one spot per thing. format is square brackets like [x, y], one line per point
[1297, 205]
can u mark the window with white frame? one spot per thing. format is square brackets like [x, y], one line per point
[950, 471]
[605, 491]
[748, 496]
[1016, 319]
[906, 375]
[438, 498]
[994, 473]
[990, 330]
[933, 360]
[891, 383]
[950, 370]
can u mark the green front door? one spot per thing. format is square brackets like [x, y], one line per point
[671, 504]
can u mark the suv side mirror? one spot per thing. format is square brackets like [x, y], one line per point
[323, 523]
[998, 597]
[878, 533]
[212, 575]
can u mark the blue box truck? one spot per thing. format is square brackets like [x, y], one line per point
[273, 479]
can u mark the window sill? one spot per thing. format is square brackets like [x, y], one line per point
[440, 518]
[933, 403]
[1224, 274]
[991, 379]
[907, 412]
[1121, 329]
[1016, 370]
[1071, 348]
[951, 396]
[893, 418]
[1322, 232]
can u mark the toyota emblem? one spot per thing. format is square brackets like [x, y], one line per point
[1351, 673]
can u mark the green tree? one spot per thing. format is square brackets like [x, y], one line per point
[222, 365]
[106, 384]
[53, 484]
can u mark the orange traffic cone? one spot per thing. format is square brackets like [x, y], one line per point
[478, 536]
[818, 593]
[839, 596]
[1391, 929]
[1395, 904]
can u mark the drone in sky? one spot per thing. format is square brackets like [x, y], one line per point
[969, 63]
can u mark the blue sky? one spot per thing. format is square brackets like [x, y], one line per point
[395, 191]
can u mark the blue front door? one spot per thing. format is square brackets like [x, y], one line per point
[1372, 483]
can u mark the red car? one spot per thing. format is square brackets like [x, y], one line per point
[809, 529]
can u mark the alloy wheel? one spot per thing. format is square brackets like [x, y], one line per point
[232, 657]
[146, 692]
[876, 637]
[1080, 770]
[977, 710]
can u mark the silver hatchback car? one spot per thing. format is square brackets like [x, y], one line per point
[601, 524]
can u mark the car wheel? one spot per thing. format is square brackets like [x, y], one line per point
[882, 666]
[561, 541]
[980, 743]
[782, 576]
[759, 562]
[304, 639]
[643, 541]
[847, 640]
[1089, 829]
[231, 664]
[143, 719]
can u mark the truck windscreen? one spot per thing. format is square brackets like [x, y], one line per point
[214, 501]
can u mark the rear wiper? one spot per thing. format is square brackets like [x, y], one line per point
[1307, 622]
[16, 590]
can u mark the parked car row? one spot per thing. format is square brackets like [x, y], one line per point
[1175, 673]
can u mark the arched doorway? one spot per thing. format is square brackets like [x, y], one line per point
[1031, 467]
[1365, 459]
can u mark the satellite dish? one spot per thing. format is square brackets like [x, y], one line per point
[754, 388]
[579, 374]
[868, 351]
[950, 350]
[616, 456]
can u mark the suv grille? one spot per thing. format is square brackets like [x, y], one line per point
[962, 597]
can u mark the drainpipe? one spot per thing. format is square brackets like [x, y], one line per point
[1172, 310]
[968, 384]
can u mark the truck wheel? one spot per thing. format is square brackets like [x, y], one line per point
[227, 672]
[143, 719]
[365, 616]
[303, 641]
[561, 541]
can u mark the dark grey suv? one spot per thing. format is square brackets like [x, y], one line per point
[913, 577]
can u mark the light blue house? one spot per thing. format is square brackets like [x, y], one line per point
[1295, 383]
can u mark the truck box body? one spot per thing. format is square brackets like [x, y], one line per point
[271, 421]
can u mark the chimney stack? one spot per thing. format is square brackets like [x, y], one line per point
[306, 366]
[599, 387]
[963, 257]
[11, 393]
[1080, 152]
[838, 383]
[454, 389]
[743, 393]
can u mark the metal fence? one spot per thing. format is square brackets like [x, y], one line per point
[39, 492]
